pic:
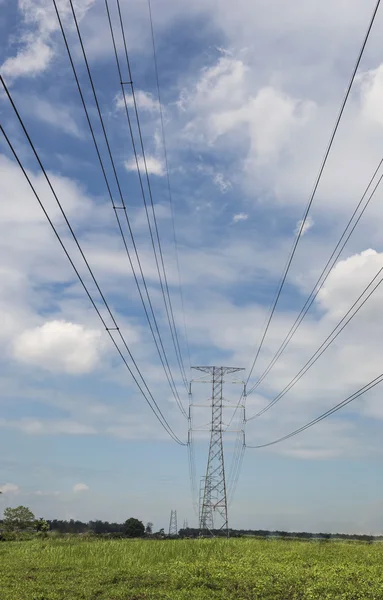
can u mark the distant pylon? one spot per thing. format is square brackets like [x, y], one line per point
[213, 500]
[173, 529]
[186, 524]
[201, 493]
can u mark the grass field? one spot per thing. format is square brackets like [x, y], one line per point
[189, 569]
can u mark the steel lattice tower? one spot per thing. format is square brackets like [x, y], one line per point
[214, 499]
[173, 529]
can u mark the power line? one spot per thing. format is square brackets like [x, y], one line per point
[192, 468]
[230, 471]
[326, 414]
[159, 415]
[242, 397]
[323, 347]
[191, 457]
[237, 459]
[239, 450]
[168, 179]
[163, 358]
[316, 184]
[179, 360]
[115, 325]
[170, 316]
[319, 284]
[236, 465]
[114, 169]
[237, 474]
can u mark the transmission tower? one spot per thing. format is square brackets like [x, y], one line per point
[201, 498]
[173, 529]
[213, 499]
[186, 524]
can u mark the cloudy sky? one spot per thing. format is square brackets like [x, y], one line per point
[250, 93]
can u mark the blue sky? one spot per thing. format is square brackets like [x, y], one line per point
[250, 93]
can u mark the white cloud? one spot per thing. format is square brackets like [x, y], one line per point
[306, 227]
[31, 60]
[144, 100]
[9, 488]
[80, 487]
[153, 165]
[348, 279]
[37, 48]
[224, 51]
[44, 493]
[59, 346]
[48, 426]
[371, 89]
[224, 102]
[223, 82]
[76, 203]
[222, 183]
[272, 116]
[119, 101]
[240, 217]
[276, 133]
[352, 361]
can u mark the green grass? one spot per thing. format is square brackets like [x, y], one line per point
[244, 569]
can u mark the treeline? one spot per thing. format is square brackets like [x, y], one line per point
[131, 528]
[104, 527]
[22, 519]
[191, 532]
[97, 527]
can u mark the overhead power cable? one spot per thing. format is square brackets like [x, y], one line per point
[164, 289]
[320, 282]
[168, 180]
[238, 452]
[179, 403]
[235, 468]
[191, 457]
[237, 474]
[241, 402]
[327, 342]
[234, 459]
[192, 468]
[315, 188]
[326, 414]
[151, 402]
[236, 465]
[159, 344]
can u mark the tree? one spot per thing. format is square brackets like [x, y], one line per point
[149, 528]
[134, 528]
[160, 533]
[42, 525]
[19, 518]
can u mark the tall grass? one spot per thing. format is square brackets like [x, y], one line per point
[56, 569]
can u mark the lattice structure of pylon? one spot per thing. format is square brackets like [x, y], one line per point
[173, 529]
[213, 504]
[205, 500]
